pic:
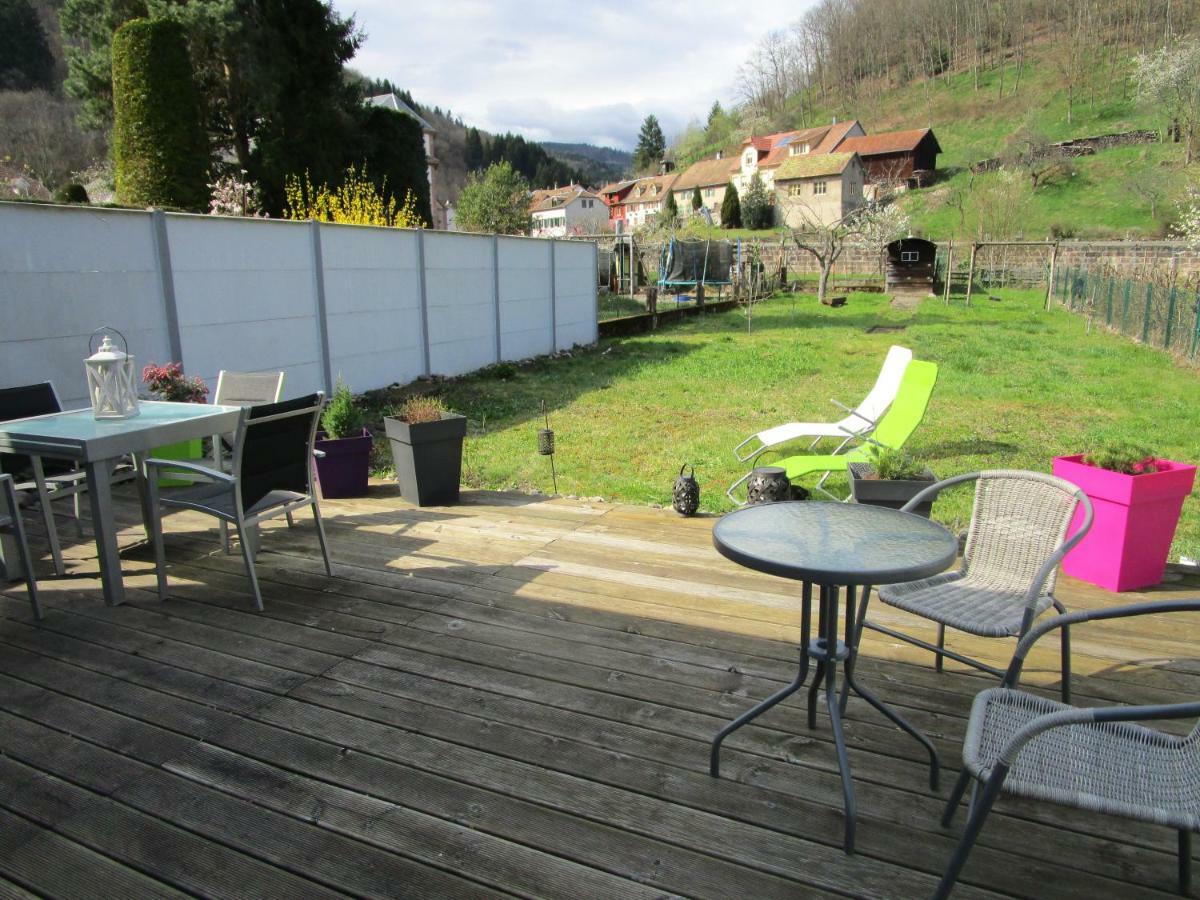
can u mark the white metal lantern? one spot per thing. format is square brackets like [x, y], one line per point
[111, 381]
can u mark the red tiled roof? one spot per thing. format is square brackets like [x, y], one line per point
[887, 142]
[706, 173]
[834, 137]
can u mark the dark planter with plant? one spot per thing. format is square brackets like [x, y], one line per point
[346, 447]
[427, 442]
[1137, 498]
[891, 478]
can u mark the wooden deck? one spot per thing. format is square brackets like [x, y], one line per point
[510, 696]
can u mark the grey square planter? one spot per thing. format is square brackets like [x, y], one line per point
[892, 493]
[428, 458]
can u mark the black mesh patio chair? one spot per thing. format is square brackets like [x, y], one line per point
[49, 479]
[1015, 542]
[271, 476]
[12, 522]
[1094, 759]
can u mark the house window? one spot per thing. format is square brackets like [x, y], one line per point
[749, 158]
[710, 192]
[794, 190]
[819, 187]
[910, 256]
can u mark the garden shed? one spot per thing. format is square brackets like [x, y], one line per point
[910, 265]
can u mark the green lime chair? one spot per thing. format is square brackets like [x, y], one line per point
[894, 429]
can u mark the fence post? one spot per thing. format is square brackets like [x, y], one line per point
[496, 292]
[314, 229]
[1170, 318]
[166, 280]
[596, 287]
[971, 273]
[1112, 282]
[1125, 306]
[1195, 326]
[424, 302]
[553, 301]
[1146, 313]
[1053, 267]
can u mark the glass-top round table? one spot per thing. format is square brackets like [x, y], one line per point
[834, 546]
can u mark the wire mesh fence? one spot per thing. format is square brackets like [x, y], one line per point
[1162, 313]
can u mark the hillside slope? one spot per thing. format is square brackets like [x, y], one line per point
[600, 164]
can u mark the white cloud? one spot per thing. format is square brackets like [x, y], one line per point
[561, 71]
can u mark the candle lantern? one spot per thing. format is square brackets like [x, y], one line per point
[112, 384]
[686, 494]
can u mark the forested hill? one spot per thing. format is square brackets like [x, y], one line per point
[600, 165]
[992, 80]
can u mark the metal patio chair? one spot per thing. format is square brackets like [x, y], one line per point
[1015, 542]
[1094, 759]
[12, 523]
[271, 476]
[50, 479]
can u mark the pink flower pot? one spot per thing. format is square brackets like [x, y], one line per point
[1135, 518]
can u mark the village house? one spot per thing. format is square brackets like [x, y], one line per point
[765, 154]
[614, 196]
[559, 212]
[823, 188]
[710, 177]
[896, 159]
[647, 198]
[438, 206]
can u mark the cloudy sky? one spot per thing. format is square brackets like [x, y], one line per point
[554, 70]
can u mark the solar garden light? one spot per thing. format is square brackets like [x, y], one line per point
[545, 444]
[112, 385]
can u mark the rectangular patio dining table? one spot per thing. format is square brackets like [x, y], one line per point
[98, 444]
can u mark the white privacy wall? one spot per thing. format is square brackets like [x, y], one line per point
[374, 305]
[63, 276]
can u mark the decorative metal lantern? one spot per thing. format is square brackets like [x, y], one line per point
[768, 484]
[112, 382]
[545, 444]
[687, 493]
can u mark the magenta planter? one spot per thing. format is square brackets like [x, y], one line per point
[342, 472]
[1135, 521]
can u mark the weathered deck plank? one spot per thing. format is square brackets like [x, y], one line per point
[512, 695]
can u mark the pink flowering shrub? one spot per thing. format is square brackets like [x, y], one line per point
[169, 383]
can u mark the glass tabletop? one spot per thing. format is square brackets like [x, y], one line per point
[81, 425]
[835, 543]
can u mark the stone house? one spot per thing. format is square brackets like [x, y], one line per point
[818, 188]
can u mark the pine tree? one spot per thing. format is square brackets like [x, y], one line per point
[757, 212]
[671, 208]
[697, 200]
[714, 113]
[731, 208]
[651, 145]
[25, 59]
[474, 150]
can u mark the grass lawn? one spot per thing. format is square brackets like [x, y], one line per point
[1017, 386]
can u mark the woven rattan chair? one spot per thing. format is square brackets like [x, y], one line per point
[1092, 759]
[12, 522]
[1015, 542]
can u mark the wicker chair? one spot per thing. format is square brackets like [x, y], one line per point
[1093, 759]
[1014, 545]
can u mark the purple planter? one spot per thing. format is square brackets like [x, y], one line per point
[342, 472]
[1135, 518]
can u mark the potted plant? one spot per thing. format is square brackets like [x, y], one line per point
[345, 447]
[170, 384]
[426, 441]
[1136, 498]
[890, 478]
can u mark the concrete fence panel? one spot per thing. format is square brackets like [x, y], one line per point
[524, 288]
[459, 302]
[373, 304]
[245, 297]
[575, 318]
[65, 272]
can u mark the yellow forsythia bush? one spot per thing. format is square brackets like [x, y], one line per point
[356, 201]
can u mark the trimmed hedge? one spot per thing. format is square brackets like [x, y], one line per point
[393, 148]
[159, 147]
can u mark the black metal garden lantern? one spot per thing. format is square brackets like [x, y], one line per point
[687, 493]
[545, 444]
